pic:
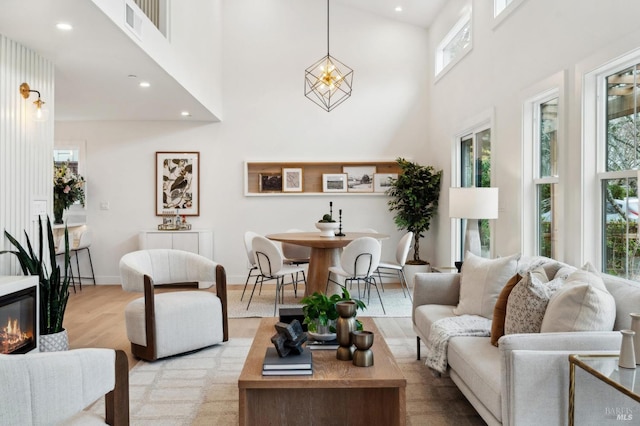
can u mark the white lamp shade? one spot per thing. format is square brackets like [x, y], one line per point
[473, 203]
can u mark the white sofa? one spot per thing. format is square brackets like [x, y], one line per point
[524, 381]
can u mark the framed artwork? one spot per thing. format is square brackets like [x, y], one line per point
[178, 183]
[382, 181]
[292, 180]
[334, 182]
[270, 182]
[360, 178]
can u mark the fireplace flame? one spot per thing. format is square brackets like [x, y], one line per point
[12, 337]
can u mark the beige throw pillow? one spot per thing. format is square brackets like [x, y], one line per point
[528, 302]
[583, 303]
[481, 282]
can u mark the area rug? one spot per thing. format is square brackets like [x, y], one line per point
[201, 389]
[396, 304]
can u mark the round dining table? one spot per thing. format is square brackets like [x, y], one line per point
[325, 252]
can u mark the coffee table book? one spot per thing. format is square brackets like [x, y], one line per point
[320, 345]
[273, 361]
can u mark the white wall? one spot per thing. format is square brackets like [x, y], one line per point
[539, 39]
[266, 47]
[26, 169]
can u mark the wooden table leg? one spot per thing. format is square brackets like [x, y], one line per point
[319, 262]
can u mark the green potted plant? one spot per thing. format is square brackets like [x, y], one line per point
[414, 199]
[320, 311]
[327, 225]
[54, 286]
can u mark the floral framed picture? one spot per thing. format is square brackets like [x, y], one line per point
[291, 180]
[178, 183]
[334, 182]
[382, 181]
[360, 178]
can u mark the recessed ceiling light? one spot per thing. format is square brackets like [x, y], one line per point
[185, 114]
[398, 8]
[145, 84]
[64, 26]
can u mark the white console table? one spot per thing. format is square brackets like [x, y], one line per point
[194, 241]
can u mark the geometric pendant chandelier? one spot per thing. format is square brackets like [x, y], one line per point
[328, 82]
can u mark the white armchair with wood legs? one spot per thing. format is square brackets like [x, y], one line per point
[170, 323]
[52, 388]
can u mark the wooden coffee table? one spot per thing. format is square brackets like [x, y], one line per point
[338, 393]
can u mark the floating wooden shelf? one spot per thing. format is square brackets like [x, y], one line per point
[311, 175]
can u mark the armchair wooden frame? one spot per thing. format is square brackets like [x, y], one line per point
[149, 352]
[117, 401]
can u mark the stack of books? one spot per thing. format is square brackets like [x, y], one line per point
[292, 365]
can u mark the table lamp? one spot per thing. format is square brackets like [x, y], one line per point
[473, 203]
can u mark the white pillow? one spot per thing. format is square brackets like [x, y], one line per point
[481, 282]
[583, 303]
[528, 301]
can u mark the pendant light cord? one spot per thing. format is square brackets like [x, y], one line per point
[327, 27]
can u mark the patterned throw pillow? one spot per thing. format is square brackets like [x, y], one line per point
[528, 301]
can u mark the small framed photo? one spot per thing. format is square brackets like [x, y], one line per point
[178, 183]
[382, 181]
[270, 182]
[334, 182]
[292, 180]
[360, 178]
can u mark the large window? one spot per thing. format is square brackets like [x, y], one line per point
[475, 170]
[619, 173]
[454, 45]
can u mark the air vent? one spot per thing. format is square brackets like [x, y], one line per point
[133, 19]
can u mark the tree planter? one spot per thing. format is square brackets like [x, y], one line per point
[411, 270]
[55, 342]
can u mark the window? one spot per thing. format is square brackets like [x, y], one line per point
[619, 163]
[474, 164]
[454, 45]
[503, 8]
[545, 174]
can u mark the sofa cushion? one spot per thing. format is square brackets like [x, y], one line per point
[481, 282]
[627, 296]
[500, 310]
[583, 303]
[425, 315]
[528, 302]
[476, 361]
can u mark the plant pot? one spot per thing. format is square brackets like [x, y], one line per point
[55, 342]
[327, 229]
[411, 270]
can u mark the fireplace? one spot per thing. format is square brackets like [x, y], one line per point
[18, 316]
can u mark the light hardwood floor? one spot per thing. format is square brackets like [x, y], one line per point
[95, 319]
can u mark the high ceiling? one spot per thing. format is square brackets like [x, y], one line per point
[94, 61]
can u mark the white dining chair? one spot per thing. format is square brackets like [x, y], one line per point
[270, 262]
[253, 267]
[358, 262]
[296, 255]
[396, 268]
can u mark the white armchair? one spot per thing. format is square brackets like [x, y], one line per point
[55, 387]
[170, 323]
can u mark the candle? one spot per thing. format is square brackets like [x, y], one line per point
[340, 212]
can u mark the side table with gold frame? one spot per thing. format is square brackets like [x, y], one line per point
[605, 368]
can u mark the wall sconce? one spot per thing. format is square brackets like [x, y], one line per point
[40, 113]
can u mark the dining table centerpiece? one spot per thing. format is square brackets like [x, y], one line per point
[68, 188]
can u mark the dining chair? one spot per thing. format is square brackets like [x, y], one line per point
[271, 264]
[84, 243]
[59, 252]
[358, 262]
[297, 255]
[253, 271]
[391, 268]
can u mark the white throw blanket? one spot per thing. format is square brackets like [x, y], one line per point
[445, 328]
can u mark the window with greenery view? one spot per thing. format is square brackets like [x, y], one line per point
[475, 167]
[546, 179]
[454, 44]
[619, 179]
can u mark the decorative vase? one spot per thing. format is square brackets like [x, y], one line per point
[362, 356]
[345, 324]
[55, 342]
[627, 354]
[327, 229]
[635, 326]
[58, 211]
